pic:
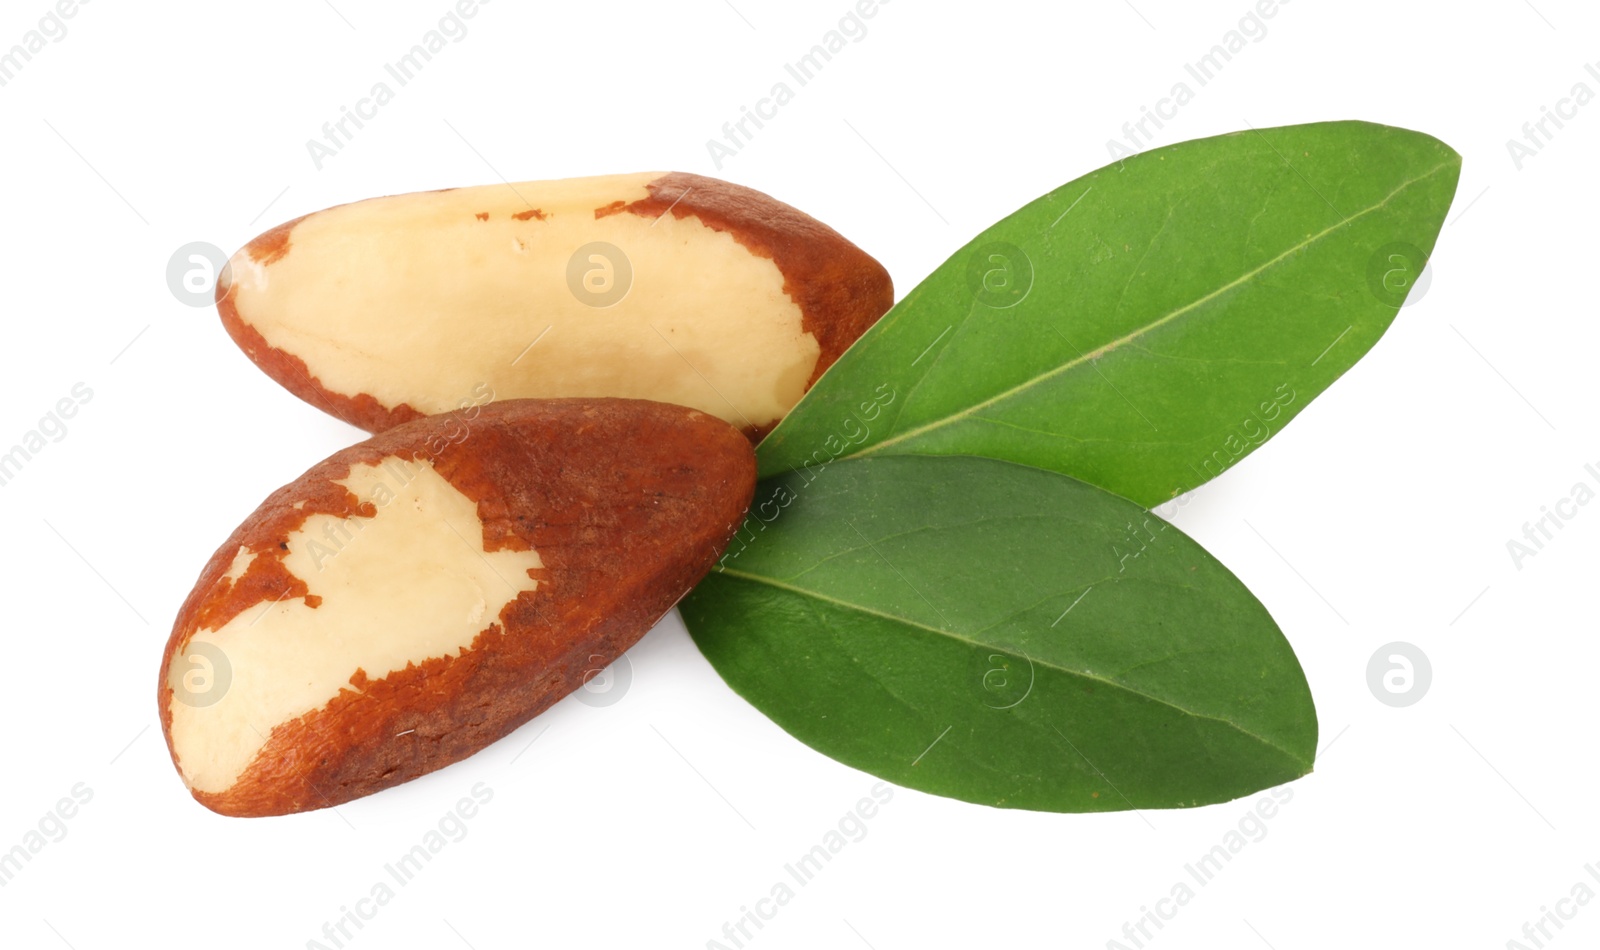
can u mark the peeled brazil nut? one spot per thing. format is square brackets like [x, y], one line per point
[417, 596]
[664, 286]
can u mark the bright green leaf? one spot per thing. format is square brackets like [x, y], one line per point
[1148, 325]
[1005, 635]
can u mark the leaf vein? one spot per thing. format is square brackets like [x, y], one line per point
[1081, 674]
[1149, 327]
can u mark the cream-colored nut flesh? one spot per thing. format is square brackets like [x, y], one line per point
[422, 299]
[241, 563]
[407, 585]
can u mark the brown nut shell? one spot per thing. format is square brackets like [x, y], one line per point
[417, 596]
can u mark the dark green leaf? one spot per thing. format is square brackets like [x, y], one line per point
[1004, 635]
[1148, 325]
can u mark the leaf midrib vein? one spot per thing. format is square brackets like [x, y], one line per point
[1147, 328]
[1081, 674]
[950, 526]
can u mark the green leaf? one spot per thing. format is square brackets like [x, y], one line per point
[1004, 635]
[1148, 325]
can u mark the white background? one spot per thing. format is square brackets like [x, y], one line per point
[1382, 514]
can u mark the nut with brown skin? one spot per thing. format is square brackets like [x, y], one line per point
[663, 286]
[415, 597]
